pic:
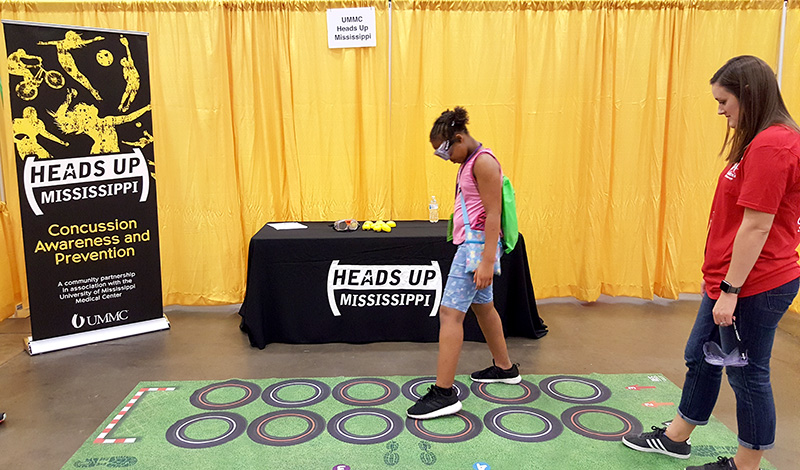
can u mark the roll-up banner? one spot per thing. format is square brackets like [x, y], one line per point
[83, 138]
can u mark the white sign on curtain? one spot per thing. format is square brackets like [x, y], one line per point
[351, 27]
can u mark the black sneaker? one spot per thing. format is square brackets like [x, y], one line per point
[2, 417]
[722, 462]
[657, 442]
[435, 403]
[495, 374]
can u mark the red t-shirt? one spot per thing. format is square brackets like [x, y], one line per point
[767, 179]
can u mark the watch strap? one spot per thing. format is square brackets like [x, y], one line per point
[726, 287]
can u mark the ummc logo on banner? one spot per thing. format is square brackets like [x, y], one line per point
[384, 286]
[78, 321]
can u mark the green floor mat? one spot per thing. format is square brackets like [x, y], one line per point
[345, 423]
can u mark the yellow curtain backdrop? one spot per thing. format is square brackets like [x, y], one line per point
[790, 85]
[13, 288]
[310, 123]
[255, 120]
[10, 293]
[600, 112]
[791, 60]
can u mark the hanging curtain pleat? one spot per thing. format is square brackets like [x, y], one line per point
[10, 288]
[599, 111]
[255, 120]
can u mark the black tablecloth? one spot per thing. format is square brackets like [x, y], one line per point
[316, 285]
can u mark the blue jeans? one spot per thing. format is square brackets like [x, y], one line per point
[757, 318]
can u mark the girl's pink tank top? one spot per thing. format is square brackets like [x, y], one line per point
[465, 182]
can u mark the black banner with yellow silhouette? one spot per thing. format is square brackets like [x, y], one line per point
[83, 138]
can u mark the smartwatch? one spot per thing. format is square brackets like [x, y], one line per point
[726, 287]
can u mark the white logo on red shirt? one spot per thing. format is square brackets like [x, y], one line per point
[731, 174]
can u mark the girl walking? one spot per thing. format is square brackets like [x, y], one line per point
[478, 208]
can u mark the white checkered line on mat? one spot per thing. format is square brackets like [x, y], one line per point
[100, 439]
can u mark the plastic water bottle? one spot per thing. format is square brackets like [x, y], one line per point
[433, 210]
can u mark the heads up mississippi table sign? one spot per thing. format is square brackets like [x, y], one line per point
[83, 138]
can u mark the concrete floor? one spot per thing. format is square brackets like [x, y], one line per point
[56, 400]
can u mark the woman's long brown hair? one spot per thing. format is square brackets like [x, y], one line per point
[753, 83]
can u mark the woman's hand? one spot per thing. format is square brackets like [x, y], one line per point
[723, 309]
[747, 246]
[484, 275]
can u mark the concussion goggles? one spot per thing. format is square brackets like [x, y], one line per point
[444, 150]
[345, 225]
[714, 354]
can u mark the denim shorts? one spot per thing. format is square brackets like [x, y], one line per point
[460, 291]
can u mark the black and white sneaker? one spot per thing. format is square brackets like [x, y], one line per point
[657, 442]
[495, 374]
[721, 463]
[2, 417]
[435, 403]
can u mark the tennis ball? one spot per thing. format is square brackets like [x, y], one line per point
[386, 228]
[391, 223]
[367, 225]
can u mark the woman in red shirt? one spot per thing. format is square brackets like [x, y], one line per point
[750, 271]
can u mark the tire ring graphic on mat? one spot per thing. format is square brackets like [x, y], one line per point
[410, 388]
[390, 392]
[571, 416]
[601, 392]
[176, 434]
[472, 427]
[552, 426]
[394, 426]
[270, 395]
[257, 432]
[200, 400]
[530, 393]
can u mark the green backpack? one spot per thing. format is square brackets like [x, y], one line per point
[508, 218]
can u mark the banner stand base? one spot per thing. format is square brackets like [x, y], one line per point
[79, 339]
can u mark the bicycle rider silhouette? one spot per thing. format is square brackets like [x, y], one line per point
[16, 66]
[22, 64]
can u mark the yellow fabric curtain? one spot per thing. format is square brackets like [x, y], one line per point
[791, 60]
[599, 111]
[255, 120]
[13, 288]
[790, 84]
[310, 123]
[10, 292]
